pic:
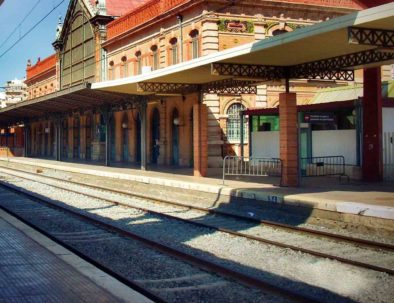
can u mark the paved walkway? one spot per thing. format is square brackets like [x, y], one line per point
[31, 271]
[365, 199]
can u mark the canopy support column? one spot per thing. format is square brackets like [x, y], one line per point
[241, 129]
[372, 165]
[200, 138]
[107, 120]
[82, 140]
[57, 124]
[26, 140]
[288, 138]
[144, 126]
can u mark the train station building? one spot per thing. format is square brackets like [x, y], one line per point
[176, 84]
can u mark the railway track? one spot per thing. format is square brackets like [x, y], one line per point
[34, 209]
[353, 251]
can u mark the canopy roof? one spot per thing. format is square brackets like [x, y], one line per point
[313, 43]
[76, 98]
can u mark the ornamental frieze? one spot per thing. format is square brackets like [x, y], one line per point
[283, 25]
[236, 26]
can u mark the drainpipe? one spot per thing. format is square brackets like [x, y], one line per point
[103, 65]
[180, 20]
[25, 139]
[143, 133]
[106, 113]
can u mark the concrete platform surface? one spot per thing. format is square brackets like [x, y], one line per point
[35, 269]
[323, 193]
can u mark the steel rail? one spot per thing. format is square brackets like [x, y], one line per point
[128, 282]
[226, 230]
[358, 241]
[195, 261]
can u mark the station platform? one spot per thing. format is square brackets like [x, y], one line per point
[369, 200]
[33, 268]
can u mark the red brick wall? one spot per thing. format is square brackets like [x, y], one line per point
[288, 138]
[200, 135]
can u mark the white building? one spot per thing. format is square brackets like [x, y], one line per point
[2, 99]
[14, 92]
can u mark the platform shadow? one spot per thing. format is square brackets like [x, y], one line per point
[181, 238]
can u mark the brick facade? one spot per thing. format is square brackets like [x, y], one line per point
[288, 137]
[152, 36]
[235, 25]
[41, 78]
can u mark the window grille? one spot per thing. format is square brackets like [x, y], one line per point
[139, 62]
[233, 123]
[155, 57]
[194, 41]
[125, 66]
[111, 72]
[174, 50]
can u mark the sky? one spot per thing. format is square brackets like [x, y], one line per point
[36, 44]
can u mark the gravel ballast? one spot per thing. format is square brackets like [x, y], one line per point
[170, 278]
[320, 278]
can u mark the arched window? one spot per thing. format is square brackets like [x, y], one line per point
[77, 50]
[174, 50]
[279, 32]
[125, 66]
[111, 72]
[233, 123]
[194, 44]
[155, 57]
[138, 58]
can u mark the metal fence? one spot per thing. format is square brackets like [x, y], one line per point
[323, 166]
[245, 166]
[388, 156]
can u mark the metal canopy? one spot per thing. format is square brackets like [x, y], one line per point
[227, 86]
[320, 45]
[77, 98]
[322, 50]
